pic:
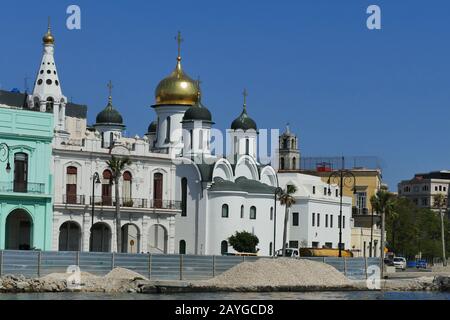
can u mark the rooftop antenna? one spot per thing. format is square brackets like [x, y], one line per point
[25, 80]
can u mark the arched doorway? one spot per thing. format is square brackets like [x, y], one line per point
[224, 247]
[130, 238]
[19, 231]
[100, 238]
[157, 239]
[69, 236]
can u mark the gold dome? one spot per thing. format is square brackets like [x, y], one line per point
[48, 37]
[178, 88]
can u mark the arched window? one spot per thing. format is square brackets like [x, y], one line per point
[168, 129]
[49, 105]
[247, 146]
[252, 212]
[282, 163]
[20, 172]
[285, 144]
[271, 213]
[223, 247]
[71, 185]
[126, 189]
[158, 190]
[224, 211]
[183, 197]
[106, 188]
[182, 247]
[293, 143]
[294, 163]
[242, 212]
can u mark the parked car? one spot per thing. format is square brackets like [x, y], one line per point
[411, 264]
[421, 264]
[290, 252]
[400, 263]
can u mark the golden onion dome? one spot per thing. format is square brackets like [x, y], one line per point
[177, 89]
[48, 37]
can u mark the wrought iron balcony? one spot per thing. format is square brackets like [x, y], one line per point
[22, 187]
[360, 211]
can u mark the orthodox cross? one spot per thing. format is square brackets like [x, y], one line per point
[110, 87]
[179, 41]
[245, 94]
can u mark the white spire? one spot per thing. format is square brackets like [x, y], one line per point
[47, 95]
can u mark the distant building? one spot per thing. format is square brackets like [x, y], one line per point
[314, 218]
[424, 186]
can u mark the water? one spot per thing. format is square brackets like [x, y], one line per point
[334, 295]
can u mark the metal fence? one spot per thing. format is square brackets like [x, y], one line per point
[152, 266]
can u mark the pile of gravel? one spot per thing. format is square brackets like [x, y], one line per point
[281, 272]
[124, 274]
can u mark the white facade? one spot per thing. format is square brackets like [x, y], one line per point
[247, 195]
[318, 213]
[139, 207]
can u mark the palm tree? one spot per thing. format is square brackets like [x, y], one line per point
[117, 165]
[287, 199]
[383, 202]
[440, 202]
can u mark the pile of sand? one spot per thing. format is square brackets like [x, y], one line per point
[280, 272]
[124, 274]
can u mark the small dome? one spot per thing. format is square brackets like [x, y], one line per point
[197, 113]
[48, 37]
[178, 88]
[109, 115]
[153, 126]
[243, 122]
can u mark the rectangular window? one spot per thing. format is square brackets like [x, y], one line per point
[440, 188]
[337, 193]
[318, 219]
[313, 219]
[343, 222]
[325, 191]
[329, 245]
[314, 189]
[339, 221]
[315, 244]
[295, 218]
[293, 244]
[424, 201]
[331, 221]
[271, 213]
[326, 221]
[361, 201]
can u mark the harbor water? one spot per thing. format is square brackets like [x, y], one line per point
[334, 295]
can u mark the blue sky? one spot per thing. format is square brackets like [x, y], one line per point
[344, 89]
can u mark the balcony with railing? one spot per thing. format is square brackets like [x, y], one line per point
[22, 187]
[108, 201]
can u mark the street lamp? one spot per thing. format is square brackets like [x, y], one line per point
[342, 178]
[95, 180]
[277, 192]
[4, 155]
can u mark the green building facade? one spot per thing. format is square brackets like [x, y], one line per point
[26, 201]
